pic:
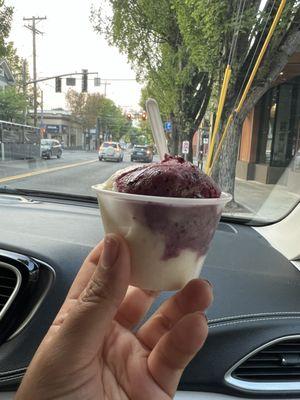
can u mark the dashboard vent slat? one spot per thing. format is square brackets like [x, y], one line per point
[278, 362]
[8, 284]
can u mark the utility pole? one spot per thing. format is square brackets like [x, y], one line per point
[35, 31]
[24, 68]
[42, 110]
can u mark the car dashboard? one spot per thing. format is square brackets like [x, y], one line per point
[253, 347]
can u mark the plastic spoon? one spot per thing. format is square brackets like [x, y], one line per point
[157, 127]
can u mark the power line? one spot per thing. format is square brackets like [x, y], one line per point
[91, 79]
[254, 55]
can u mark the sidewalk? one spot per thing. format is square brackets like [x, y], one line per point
[260, 200]
[267, 202]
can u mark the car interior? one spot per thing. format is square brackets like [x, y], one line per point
[199, 83]
[254, 323]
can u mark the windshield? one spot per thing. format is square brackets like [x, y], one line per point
[140, 148]
[46, 142]
[109, 145]
[87, 89]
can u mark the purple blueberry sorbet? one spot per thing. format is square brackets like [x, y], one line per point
[172, 177]
[182, 227]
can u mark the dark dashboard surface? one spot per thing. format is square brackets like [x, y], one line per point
[257, 291]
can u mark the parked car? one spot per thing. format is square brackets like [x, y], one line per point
[50, 147]
[110, 151]
[142, 153]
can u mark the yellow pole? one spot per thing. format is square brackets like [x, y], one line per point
[251, 78]
[223, 93]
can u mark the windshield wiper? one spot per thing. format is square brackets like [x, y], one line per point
[49, 195]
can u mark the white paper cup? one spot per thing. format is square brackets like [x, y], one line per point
[168, 237]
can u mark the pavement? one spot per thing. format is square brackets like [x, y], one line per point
[266, 202]
[77, 171]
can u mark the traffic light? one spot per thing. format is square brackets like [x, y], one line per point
[84, 86]
[129, 116]
[144, 115]
[58, 84]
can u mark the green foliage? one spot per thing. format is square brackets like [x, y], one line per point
[7, 49]
[161, 85]
[180, 48]
[94, 110]
[149, 34]
[201, 23]
[12, 105]
[12, 102]
[150, 44]
[6, 14]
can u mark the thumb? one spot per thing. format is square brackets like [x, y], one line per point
[88, 321]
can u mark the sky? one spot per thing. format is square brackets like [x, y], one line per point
[69, 44]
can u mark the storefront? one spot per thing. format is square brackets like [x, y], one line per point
[271, 133]
[278, 139]
[59, 124]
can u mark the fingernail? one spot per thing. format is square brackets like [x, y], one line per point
[110, 251]
[207, 281]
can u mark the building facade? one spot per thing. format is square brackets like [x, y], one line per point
[61, 125]
[270, 138]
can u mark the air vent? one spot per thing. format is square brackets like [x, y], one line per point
[278, 362]
[10, 280]
[24, 284]
[275, 366]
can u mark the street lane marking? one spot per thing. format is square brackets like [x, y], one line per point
[44, 171]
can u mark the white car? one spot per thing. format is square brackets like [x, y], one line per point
[110, 151]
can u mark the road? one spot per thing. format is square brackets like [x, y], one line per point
[75, 173]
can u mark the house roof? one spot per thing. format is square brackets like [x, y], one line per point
[9, 76]
[56, 114]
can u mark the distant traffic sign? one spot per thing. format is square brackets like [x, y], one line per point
[168, 126]
[185, 147]
[97, 81]
[71, 81]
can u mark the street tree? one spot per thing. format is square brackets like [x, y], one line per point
[12, 105]
[6, 14]
[9, 53]
[76, 102]
[93, 110]
[154, 46]
[7, 49]
[208, 29]
[182, 57]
